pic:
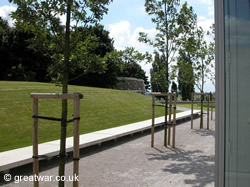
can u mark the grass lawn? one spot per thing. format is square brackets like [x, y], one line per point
[197, 106]
[100, 109]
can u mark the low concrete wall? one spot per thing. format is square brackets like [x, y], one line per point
[131, 84]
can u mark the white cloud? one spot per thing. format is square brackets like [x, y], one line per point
[4, 13]
[62, 19]
[124, 37]
[211, 11]
[141, 46]
[120, 32]
[200, 18]
[205, 23]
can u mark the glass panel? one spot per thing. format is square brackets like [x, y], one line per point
[237, 67]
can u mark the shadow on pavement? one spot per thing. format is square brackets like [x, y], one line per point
[188, 163]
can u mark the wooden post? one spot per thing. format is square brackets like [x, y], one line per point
[153, 121]
[207, 111]
[192, 112]
[174, 121]
[76, 97]
[212, 99]
[166, 122]
[201, 118]
[35, 143]
[76, 141]
[154, 94]
[169, 119]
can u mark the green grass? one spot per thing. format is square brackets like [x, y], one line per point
[100, 109]
[197, 106]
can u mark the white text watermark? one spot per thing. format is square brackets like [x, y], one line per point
[40, 178]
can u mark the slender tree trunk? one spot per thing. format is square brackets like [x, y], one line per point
[167, 42]
[202, 96]
[61, 171]
[167, 76]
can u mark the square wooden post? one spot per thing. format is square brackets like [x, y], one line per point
[76, 140]
[172, 100]
[153, 121]
[35, 143]
[174, 121]
[212, 100]
[166, 122]
[192, 110]
[76, 107]
[201, 118]
[208, 111]
[169, 119]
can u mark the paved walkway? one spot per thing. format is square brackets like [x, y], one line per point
[182, 108]
[132, 162]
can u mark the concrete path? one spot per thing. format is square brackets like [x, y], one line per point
[182, 108]
[132, 162]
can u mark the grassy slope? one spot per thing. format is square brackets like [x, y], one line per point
[100, 109]
[197, 106]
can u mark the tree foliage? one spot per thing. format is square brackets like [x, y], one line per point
[195, 57]
[172, 24]
[203, 59]
[157, 73]
[23, 63]
[129, 67]
[165, 16]
[174, 88]
[98, 46]
[42, 18]
[18, 60]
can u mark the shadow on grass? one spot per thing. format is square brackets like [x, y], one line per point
[189, 163]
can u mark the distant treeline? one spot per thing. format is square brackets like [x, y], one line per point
[20, 61]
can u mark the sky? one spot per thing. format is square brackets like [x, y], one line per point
[126, 18]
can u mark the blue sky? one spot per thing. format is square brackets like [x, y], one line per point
[126, 18]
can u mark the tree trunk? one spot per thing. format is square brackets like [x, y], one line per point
[167, 42]
[201, 121]
[61, 171]
[202, 96]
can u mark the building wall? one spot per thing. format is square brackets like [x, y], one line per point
[235, 88]
[131, 84]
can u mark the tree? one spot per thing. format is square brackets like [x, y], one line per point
[185, 75]
[5, 37]
[129, 66]
[174, 87]
[186, 49]
[170, 25]
[100, 44]
[18, 61]
[203, 60]
[42, 18]
[157, 72]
